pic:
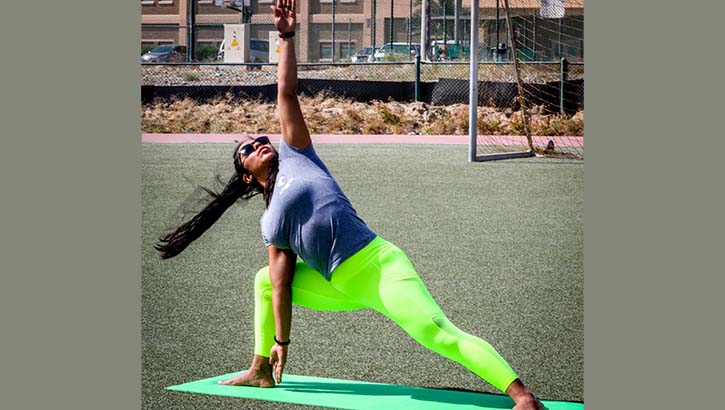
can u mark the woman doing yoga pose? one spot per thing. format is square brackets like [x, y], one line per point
[345, 265]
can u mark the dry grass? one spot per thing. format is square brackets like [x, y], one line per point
[332, 115]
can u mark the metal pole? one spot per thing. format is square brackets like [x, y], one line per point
[350, 52]
[392, 2]
[423, 29]
[509, 52]
[563, 77]
[373, 29]
[445, 26]
[497, 28]
[410, 22]
[473, 85]
[333, 31]
[534, 36]
[522, 99]
[560, 37]
[191, 22]
[463, 38]
[456, 22]
[417, 77]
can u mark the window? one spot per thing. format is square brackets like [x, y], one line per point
[325, 51]
[346, 50]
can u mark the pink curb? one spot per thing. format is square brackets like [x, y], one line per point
[371, 139]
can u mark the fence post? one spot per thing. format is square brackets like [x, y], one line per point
[190, 37]
[417, 77]
[333, 31]
[562, 80]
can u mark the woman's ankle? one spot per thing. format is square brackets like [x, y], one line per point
[518, 392]
[260, 364]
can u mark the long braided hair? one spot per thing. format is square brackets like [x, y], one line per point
[235, 189]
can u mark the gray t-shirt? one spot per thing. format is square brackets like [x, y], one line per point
[310, 214]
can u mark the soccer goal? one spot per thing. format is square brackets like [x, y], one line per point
[538, 55]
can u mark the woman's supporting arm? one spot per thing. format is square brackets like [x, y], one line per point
[281, 271]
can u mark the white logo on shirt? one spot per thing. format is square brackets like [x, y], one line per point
[285, 184]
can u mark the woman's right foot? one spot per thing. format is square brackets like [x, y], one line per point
[258, 375]
[250, 378]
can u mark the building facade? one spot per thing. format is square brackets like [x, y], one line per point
[358, 23]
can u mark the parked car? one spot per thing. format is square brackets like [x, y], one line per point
[402, 49]
[364, 55]
[165, 52]
[258, 51]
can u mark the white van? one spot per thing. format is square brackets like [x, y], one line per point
[258, 51]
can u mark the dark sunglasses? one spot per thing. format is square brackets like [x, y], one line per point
[247, 149]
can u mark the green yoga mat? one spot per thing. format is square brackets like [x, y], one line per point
[348, 394]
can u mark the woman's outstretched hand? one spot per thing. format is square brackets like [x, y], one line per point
[277, 358]
[284, 15]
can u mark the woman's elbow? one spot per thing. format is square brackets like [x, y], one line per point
[281, 283]
[286, 88]
[281, 288]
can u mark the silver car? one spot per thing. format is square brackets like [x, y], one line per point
[165, 52]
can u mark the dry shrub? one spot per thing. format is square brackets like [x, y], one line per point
[440, 124]
[352, 119]
[326, 114]
[516, 124]
[459, 118]
[490, 124]
[385, 113]
[577, 124]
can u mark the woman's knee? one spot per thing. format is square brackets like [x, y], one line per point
[435, 332]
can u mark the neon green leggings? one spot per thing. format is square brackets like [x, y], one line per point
[381, 277]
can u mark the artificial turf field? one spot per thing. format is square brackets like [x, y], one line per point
[499, 245]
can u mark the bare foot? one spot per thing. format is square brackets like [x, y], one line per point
[258, 375]
[250, 378]
[522, 396]
[529, 403]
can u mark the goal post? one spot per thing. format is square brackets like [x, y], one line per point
[541, 65]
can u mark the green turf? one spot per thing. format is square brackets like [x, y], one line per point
[354, 395]
[500, 246]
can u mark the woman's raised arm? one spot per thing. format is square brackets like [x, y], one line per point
[294, 128]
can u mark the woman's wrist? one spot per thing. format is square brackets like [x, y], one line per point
[287, 34]
[281, 343]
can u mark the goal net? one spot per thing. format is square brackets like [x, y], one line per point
[539, 46]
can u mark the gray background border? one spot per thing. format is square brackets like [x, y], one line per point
[70, 293]
[70, 289]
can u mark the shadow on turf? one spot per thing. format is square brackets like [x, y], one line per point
[433, 395]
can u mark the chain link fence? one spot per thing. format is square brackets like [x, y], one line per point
[438, 83]
[367, 50]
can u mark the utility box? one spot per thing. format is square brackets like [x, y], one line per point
[273, 47]
[236, 43]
